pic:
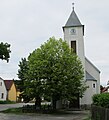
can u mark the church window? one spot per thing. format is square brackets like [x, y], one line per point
[94, 85]
[73, 45]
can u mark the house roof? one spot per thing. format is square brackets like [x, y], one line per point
[73, 20]
[89, 77]
[105, 89]
[8, 84]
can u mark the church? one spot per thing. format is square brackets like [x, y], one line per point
[74, 35]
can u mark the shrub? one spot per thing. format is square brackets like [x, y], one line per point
[101, 100]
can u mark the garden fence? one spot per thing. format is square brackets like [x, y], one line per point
[99, 113]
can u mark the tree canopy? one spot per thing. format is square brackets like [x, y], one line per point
[5, 51]
[54, 70]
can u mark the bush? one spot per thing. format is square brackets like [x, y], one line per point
[101, 100]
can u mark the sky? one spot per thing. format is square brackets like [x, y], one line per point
[26, 24]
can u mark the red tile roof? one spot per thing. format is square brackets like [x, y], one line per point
[105, 89]
[8, 84]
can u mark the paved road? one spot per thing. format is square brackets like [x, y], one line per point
[42, 117]
[6, 106]
[77, 115]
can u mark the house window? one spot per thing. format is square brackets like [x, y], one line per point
[2, 95]
[94, 85]
[73, 45]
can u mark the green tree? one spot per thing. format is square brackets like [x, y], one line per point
[25, 85]
[55, 71]
[22, 73]
[5, 51]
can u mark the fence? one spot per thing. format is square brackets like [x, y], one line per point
[33, 108]
[99, 113]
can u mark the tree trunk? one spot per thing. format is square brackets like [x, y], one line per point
[55, 98]
[54, 104]
[75, 103]
[38, 102]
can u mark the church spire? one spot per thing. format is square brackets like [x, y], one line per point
[73, 6]
[73, 19]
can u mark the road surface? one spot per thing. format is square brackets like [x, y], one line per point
[75, 115]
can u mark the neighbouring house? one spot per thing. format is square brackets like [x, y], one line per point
[105, 90]
[3, 91]
[74, 35]
[11, 90]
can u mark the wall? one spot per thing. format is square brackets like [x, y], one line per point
[2, 90]
[12, 93]
[89, 92]
[90, 68]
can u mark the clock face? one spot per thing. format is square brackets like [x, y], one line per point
[72, 31]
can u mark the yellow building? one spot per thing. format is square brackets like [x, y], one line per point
[11, 90]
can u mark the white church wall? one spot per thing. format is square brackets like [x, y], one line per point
[94, 72]
[90, 68]
[87, 99]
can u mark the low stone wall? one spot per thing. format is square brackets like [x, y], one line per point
[86, 107]
[33, 109]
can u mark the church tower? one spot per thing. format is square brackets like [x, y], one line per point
[73, 34]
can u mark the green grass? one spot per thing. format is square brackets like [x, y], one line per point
[88, 118]
[13, 110]
[7, 102]
[19, 111]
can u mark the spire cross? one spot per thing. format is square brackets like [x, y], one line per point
[73, 5]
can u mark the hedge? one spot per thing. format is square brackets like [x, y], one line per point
[101, 100]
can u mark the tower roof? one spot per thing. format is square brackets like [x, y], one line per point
[89, 77]
[73, 20]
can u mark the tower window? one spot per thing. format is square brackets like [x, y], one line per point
[0, 83]
[73, 45]
[2, 95]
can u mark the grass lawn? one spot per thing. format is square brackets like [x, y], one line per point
[7, 102]
[13, 110]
